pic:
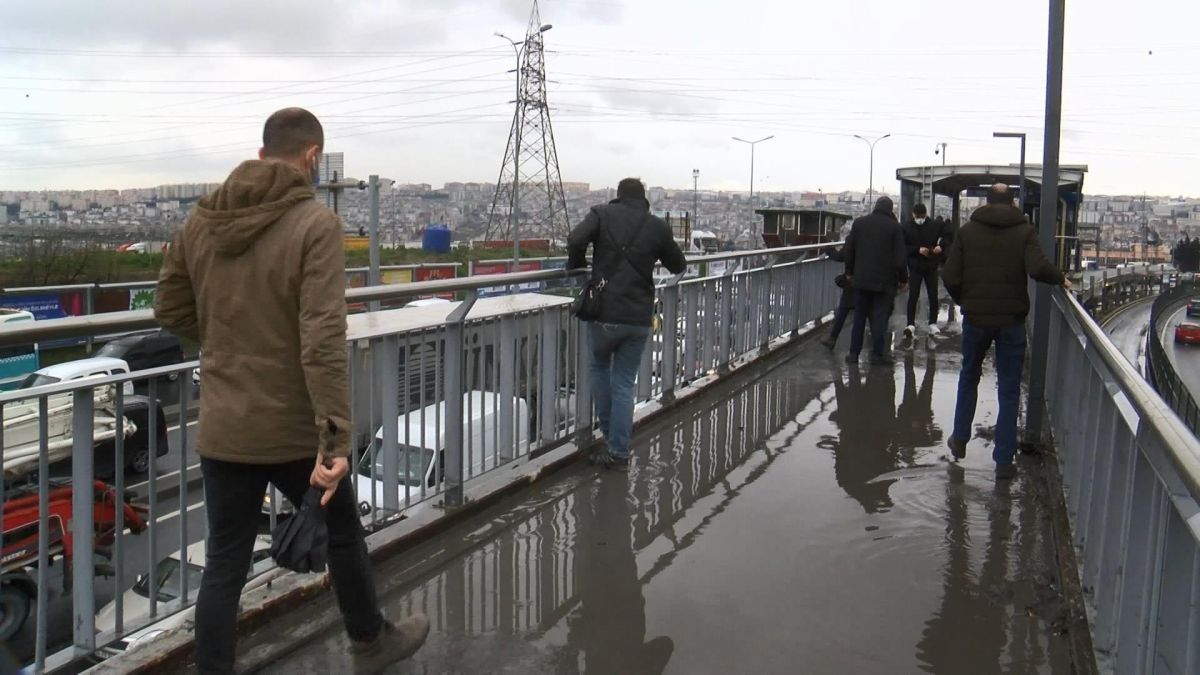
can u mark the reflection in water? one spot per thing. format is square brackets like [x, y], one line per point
[866, 421]
[1002, 602]
[915, 426]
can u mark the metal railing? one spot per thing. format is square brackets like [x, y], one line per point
[1160, 371]
[442, 395]
[1131, 476]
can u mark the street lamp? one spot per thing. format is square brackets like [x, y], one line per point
[514, 219]
[752, 144]
[940, 149]
[695, 197]
[1016, 134]
[871, 178]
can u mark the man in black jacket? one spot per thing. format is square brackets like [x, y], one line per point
[923, 242]
[987, 272]
[876, 264]
[627, 241]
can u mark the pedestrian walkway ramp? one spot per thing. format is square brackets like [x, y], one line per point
[804, 517]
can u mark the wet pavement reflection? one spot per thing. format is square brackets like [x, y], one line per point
[804, 522]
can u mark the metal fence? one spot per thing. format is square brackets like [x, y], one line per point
[1131, 475]
[443, 395]
[1160, 371]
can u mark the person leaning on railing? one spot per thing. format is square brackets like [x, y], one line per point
[627, 241]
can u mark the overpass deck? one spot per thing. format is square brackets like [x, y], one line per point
[806, 518]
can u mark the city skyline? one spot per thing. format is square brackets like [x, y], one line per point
[100, 97]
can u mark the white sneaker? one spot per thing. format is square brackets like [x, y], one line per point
[910, 331]
[934, 331]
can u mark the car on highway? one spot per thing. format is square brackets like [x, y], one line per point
[167, 576]
[1188, 333]
[1193, 307]
[92, 367]
[143, 352]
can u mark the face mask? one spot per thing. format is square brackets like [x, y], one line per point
[920, 221]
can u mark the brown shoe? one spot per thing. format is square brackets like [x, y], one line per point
[395, 642]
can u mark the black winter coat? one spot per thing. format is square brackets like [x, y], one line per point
[928, 235]
[990, 261]
[875, 253]
[628, 295]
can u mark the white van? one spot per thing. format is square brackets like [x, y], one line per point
[97, 367]
[426, 436]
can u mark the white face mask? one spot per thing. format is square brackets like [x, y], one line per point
[920, 221]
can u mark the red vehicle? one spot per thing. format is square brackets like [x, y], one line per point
[1187, 333]
[18, 560]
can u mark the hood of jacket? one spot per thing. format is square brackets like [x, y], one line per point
[998, 215]
[633, 203]
[251, 200]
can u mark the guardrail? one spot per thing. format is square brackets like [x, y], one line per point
[1161, 372]
[443, 395]
[1131, 478]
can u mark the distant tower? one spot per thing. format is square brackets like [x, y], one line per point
[529, 193]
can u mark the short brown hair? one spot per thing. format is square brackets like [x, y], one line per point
[631, 188]
[291, 131]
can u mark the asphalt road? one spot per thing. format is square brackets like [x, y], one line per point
[1185, 358]
[1128, 329]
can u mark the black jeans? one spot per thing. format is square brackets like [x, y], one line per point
[878, 306]
[234, 494]
[844, 308]
[917, 275]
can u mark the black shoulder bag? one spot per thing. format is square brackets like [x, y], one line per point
[588, 305]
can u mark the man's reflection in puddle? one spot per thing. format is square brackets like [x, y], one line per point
[608, 627]
[866, 420]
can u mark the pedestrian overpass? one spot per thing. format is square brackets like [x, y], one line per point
[784, 513]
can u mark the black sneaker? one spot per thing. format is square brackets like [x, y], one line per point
[884, 360]
[958, 447]
[852, 358]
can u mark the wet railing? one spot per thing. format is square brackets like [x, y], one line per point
[442, 395]
[1131, 476]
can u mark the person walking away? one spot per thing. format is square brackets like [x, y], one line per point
[877, 268]
[986, 273]
[257, 277]
[627, 242]
[923, 242]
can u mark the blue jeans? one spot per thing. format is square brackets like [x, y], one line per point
[616, 356]
[1010, 358]
[876, 305]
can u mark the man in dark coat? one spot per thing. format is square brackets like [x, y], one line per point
[923, 241]
[627, 241]
[987, 272]
[877, 266]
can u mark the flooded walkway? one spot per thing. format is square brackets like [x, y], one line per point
[807, 521]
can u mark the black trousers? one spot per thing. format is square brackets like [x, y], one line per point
[929, 277]
[234, 494]
[875, 306]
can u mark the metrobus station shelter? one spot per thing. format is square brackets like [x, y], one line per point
[924, 184]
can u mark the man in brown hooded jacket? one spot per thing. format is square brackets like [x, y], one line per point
[256, 275]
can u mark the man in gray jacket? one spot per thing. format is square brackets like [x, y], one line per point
[627, 241]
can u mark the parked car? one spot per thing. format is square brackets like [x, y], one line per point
[143, 352]
[96, 366]
[422, 435]
[167, 575]
[1187, 333]
[1193, 307]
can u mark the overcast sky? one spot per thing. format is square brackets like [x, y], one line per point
[113, 95]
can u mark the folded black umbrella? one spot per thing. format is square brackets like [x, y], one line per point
[301, 543]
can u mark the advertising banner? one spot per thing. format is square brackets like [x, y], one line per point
[480, 267]
[433, 272]
[556, 264]
[388, 277]
[46, 306]
[141, 298]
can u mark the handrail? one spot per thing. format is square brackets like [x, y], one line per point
[117, 322]
[1182, 446]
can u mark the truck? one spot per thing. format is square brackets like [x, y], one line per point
[22, 434]
[19, 557]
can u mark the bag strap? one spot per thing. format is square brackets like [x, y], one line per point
[623, 249]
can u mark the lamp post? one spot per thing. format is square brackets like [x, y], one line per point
[871, 178]
[941, 150]
[514, 218]
[1016, 134]
[752, 144]
[695, 197]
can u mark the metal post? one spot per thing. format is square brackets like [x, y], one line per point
[1048, 221]
[452, 389]
[389, 369]
[695, 198]
[670, 333]
[1021, 196]
[514, 212]
[89, 299]
[83, 599]
[373, 231]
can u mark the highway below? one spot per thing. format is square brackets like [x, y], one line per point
[1185, 358]
[1128, 330]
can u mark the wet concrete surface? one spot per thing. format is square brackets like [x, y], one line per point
[807, 519]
